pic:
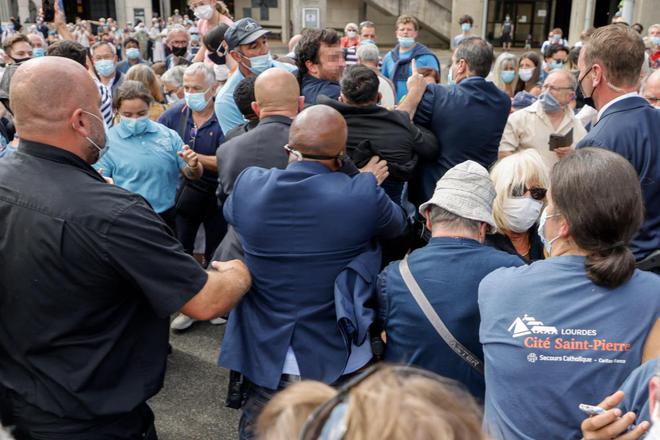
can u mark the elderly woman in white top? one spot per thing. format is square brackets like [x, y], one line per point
[521, 181]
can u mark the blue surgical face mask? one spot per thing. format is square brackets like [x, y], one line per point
[549, 102]
[38, 52]
[105, 67]
[450, 79]
[465, 27]
[133, 53]
[406, 42]
[556, 65]
[196, 101]
[546, 244]
[507, 76]
[367, 42]
[104, 149]
[135, 126]
[261, 63]
[655, 41]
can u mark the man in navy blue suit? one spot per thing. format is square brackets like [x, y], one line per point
[627, 124]
[302, 229]
[467, 118]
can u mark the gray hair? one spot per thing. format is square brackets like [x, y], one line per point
[174, 76]
[368, 52]
[572, 80]
[201, 67]
[177, 28]
[477, 53]
[449, 220]
[104, 43]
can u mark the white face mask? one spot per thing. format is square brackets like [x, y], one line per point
[521, 212]
[204, 12]
[526, 74]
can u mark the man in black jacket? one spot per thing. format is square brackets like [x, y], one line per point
[376, 131]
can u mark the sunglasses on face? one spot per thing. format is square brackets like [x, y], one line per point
[536, 192]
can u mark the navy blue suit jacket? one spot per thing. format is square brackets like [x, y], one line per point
[300, 228]
[631, 127]
[468, 119]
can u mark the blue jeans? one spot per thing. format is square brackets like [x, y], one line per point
[257, 398]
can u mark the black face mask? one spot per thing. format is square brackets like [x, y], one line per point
[588, 100]
[20, 60]
[179, 51]
[217, 59]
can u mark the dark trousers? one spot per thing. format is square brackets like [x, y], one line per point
[215, 227]
[31, 423]
[169, 217]
[258, 397]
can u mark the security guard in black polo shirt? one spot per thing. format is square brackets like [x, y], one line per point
[89, 274]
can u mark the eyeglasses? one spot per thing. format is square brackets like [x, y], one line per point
[536, 192]
[555, 88]
[291, 150]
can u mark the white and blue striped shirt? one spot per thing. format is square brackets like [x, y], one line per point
[106, 102]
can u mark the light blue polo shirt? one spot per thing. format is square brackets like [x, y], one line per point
[146, 164]
[226, 110]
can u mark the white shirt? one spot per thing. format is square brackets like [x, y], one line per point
[530, 127]
[617, 99]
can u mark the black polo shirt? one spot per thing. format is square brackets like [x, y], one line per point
[88, 277]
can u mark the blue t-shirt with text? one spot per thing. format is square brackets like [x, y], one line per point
[553, 339]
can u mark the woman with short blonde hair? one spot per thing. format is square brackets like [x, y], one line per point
[521, 181]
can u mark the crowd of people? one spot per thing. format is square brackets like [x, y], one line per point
[393, 257]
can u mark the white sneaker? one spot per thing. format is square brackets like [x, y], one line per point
[218, 321]
[182, 322]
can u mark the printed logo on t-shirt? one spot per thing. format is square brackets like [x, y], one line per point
[528, 325]
[538, 337]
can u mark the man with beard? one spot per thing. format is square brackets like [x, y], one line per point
[320, 61]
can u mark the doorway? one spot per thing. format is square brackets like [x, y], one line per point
[530, 18]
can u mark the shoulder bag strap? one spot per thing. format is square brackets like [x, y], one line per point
[435, 320]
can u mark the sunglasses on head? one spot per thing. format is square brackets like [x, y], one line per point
[316, 422]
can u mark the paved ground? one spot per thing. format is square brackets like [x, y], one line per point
[191, 405]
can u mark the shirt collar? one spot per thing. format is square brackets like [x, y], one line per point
[279, 119]
[309, 165]
[56, 154]
[472, 78]
[615, 100]
[125, 134]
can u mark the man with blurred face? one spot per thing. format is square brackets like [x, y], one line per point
[321, 63]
